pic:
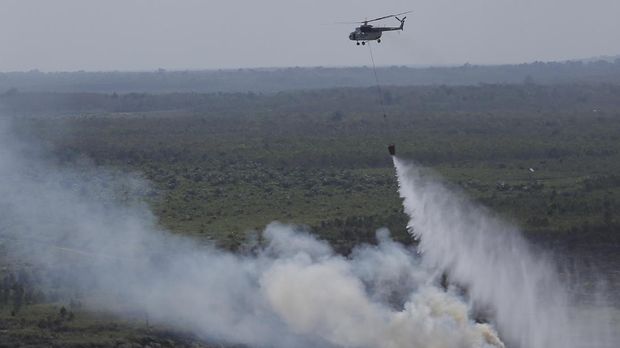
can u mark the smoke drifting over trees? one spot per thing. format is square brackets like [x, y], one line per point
[288, 289]
[85, 225]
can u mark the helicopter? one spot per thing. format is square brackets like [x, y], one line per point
[367, 32]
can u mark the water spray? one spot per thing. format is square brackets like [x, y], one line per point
[524, 295]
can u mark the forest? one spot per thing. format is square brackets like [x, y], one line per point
[543, 156]
[281, 153]
[272, 80]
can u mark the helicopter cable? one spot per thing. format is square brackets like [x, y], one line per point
[374, 69]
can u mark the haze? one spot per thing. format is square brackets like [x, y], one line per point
[70, 35]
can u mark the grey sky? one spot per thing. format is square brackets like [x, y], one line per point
[54, 35]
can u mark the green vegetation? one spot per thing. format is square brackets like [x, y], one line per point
[55, 325]
[223, 164]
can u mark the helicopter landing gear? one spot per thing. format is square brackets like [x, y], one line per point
[358, 43]
[363, 43]
[378, 40]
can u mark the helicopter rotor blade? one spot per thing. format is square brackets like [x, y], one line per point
[375, 19]
[384, 17]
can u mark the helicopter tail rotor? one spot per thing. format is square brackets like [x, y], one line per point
[402, 22]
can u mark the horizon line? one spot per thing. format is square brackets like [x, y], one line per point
[608, 58]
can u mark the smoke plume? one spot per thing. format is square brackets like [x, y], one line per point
[88, 226]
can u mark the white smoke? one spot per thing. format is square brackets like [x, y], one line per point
[89, 225]
[519, 288]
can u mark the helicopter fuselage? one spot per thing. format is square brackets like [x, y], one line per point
[359, 35]
[368, 32]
